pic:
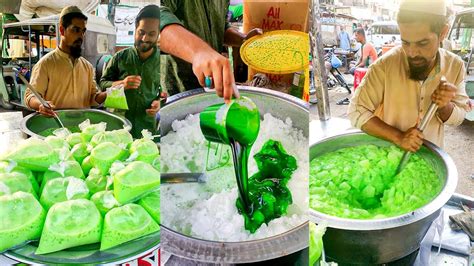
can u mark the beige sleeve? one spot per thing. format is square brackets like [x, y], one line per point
[460, 100]
[39, 81]
[92, 87]
[368, 96]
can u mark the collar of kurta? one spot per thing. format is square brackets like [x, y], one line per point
[66, 55]
[154, 54]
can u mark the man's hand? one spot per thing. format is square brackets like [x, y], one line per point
[155, 107]
[209, 63]
[253, 32]
[410, 140]
[132, 82]
[444, 94]
[46, 111]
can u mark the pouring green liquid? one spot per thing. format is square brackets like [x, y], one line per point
[264, 196]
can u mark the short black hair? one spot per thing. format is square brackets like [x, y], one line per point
[436, 22]
[360, 31]
[150, 11]
[66, 20]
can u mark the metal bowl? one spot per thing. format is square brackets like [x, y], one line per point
[279, 105]
[35, 123]
[380, 241]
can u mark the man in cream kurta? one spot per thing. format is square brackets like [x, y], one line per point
[66, 82]
[398, 88]
[63, 77]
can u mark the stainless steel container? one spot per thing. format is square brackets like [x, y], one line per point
[279, 105]
[380, 241]
[35, 123]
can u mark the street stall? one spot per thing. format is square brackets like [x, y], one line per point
[202, 220]
[77, 172]
[414, 220]
[75, 188]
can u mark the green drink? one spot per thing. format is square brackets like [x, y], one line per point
[22, 219]
[126, 223]
[69, 224]
[134, 181]
[151, 203]
[63, 189]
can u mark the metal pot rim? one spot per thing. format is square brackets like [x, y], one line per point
[396, 221]
[196, 92]
[27, 131]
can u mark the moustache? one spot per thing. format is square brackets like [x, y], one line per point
[78, 41]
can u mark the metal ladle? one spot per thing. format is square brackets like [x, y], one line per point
[38, 96]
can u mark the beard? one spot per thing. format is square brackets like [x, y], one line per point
[419, 68]
[76, 48]
[144, 47]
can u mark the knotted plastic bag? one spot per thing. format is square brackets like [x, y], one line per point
[116, 98]
[22, 219]
[69, 224]
[134, 181]
[126, 223]
[63, 189]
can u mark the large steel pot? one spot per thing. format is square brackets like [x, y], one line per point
[35, 123]
[380, 241]
[279, 105]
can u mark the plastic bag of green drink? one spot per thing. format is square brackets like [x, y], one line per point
[316, 233]
[126, 223]
[104, 155]
[62, 169]
[13, 167]
[33, 154]
[116, 98]
[104, 201]
[151, 203]
[25, 225]
[56, 142]
[13, 182]
[88, 130]
[80, 151]
[147, 150]
[74, 138]
[69, 224]
[63, 189]
[121, 137]
[98, 182]
[134, 181]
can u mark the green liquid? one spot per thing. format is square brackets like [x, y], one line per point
[265, 196]
[49, 131]
[360, 183]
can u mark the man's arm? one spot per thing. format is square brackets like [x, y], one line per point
[39, 81]
[205, 60]
[368, 98]
[452, 100]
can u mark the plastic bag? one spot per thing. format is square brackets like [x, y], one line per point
[96, 181]
[13, 167]
[126, 223]
[104, 201]
[135, 181]
[116, 98]
[147, 150]
[316, 233]
[14, 182]
[34, 154]
[104, 155]
[89, 130]
[62, 169]
[69, 224]
[151, 203]
[63, 189]
[27, 222]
